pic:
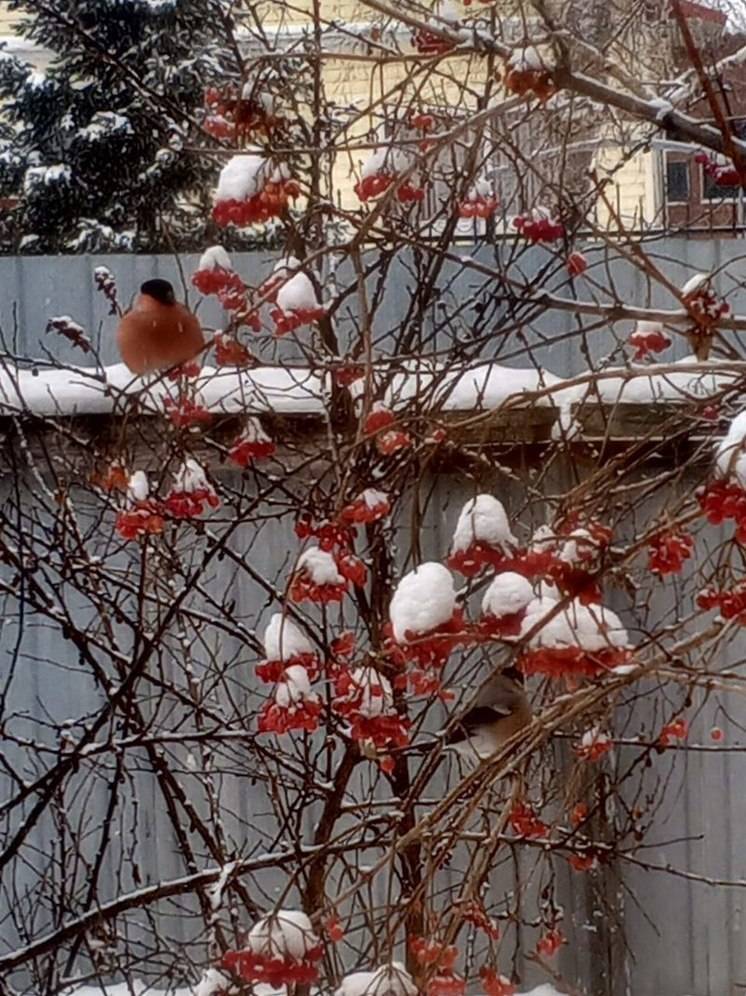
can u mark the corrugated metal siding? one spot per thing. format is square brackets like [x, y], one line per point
[683, 938]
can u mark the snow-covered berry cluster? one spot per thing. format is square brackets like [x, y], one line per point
[539, 226]
[647, 338]
[251, 191]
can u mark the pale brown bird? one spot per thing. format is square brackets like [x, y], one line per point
[159, 332]
[502, 709]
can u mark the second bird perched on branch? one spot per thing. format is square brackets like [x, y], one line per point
[158, 332]
[500, 711]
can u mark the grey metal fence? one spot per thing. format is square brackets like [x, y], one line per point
[683, 932]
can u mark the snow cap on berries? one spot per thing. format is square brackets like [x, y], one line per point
[731, 451]
[138, 486]
[509, 593]
[320, 566]
[424, 599]
[483, 520]
[215, 258]
[285, 934]
[241, 177]
[283, 640]
[388, 980]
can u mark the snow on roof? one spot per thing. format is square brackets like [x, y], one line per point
[297, 390]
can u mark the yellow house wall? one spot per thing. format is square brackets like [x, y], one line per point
[7, 19]
[634, 187]
[632, 193]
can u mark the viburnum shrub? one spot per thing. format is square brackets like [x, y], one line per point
[358, 598]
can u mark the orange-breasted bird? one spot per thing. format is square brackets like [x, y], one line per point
[159, 332]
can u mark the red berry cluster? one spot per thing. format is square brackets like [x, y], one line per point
[252, 967]
[360, 511]
[705, 306]
[388, 442]
[249, 447]
[280, 719]
[303, 588]
[724, 176]
[539, 228]
[722, 500]
[183, 412]
[373, 186]
[473, 912]
[233, 117]
[387, 729]
[216, 279]
[270, 672]
[572, 662]
[143, 519]
[583, 862]
[432, 649]
[646, 342]
[677, 729]
[525, 822]
[348, 374]
[229, 352]
[593, 746]
[576, 264]
[289, 321]
[428, 43]
[668, 550]
[549, 944]
[494, 984]
[731, 604]
[477, 207]
[270, 203]
[329, 534]
[190, 504]
[477, 556]
[529, 81]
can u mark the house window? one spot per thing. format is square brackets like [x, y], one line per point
[677, 181]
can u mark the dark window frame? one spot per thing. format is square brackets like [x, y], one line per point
[685, 164]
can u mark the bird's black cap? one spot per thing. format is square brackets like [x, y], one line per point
[514, 674]
[161, 290]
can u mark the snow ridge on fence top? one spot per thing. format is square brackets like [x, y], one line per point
[288, 390]
[139, 988]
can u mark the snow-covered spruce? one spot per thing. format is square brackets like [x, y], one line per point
[482, 536]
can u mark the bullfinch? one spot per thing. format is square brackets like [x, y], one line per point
[159, 332]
